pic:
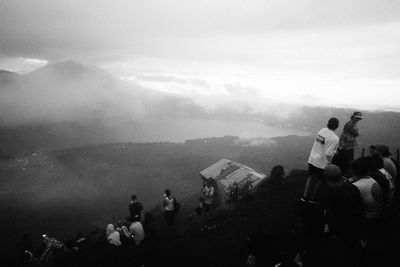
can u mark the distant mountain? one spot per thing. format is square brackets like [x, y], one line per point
[63, 104]
[68, 104]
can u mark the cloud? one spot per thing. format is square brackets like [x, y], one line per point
[22, 65]
[169, 78]
[245, 91]
[65, 28]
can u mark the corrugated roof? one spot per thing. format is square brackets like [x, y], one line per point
[229, 172]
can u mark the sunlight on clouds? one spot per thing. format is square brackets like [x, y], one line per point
[22, 65]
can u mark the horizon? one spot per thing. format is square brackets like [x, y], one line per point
[340, 54]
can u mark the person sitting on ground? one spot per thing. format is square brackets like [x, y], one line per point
[169, 207]
[113, 236]
[137, 232]
[208, 196]
[124, 233]
[135, 209]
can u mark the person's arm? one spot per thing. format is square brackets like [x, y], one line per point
[355, 131]
[331, 148]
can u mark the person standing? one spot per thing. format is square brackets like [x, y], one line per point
[316, 190]
[135, 209]
[208, 196]
[169, 208]
[323, 149]
[348, 141]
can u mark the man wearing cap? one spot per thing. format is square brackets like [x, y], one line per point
[348, 140]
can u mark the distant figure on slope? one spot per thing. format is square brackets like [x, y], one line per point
[135, 209]
[136, 229]
[277, 175]
[169, 207]
[207, 195]
[348, 141]
[113, 236]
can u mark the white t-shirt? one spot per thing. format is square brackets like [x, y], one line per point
[324, 148]
[372, 208]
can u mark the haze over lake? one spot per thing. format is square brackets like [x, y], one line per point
[179, 130]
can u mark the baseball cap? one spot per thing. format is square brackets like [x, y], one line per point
[357, 114]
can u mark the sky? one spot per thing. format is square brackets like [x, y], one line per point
[336, 53]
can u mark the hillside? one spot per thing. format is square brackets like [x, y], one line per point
[92, 185]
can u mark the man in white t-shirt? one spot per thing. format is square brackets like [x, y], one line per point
[324, 148]
[315, 191]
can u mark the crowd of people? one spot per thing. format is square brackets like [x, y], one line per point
[346, 213]
[348, 204]
[113, 243]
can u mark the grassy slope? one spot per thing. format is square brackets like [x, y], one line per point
[219, 239]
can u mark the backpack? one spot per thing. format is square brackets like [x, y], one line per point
[177, 205]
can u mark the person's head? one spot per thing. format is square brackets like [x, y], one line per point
[357, 116]
[333, 175]
[360, 167]
[333, 124]
[110, 229]
[383, 151]
[167, 192]
[372, 150]
[133, 197]
[208, 183]
[277, 174]
[378, 161]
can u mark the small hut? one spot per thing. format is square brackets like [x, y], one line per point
[227, 175]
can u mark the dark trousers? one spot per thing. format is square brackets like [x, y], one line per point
[315, 171]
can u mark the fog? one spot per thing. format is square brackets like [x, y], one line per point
[69, 104]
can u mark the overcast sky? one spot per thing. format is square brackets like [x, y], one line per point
[341, 52]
